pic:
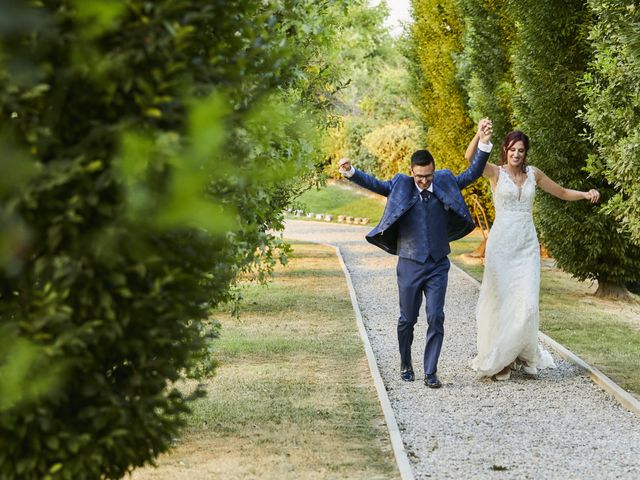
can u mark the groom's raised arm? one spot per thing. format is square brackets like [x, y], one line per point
[363, 179]
[476, 168]
[481, 145]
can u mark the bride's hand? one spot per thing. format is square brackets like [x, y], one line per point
[592, 195]
[485, 130]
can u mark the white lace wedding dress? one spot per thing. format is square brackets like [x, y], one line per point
[507, 313]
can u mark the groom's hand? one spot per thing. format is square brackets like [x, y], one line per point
[344, 165]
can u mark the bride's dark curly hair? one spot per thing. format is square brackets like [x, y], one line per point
[509, 140]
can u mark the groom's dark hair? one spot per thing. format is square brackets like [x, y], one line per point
[422, 158]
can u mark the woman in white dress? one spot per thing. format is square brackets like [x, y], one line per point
[507, 313]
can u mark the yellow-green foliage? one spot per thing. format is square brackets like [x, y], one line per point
[392, 145]
[335, 146]
[346, 140]
[437, 36]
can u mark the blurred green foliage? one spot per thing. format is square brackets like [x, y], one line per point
[150, 149]
[25, 372]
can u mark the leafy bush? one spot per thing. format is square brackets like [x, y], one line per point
[161, 141]
[392, 145]
[356, 128]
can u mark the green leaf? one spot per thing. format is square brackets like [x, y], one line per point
[206, 130]
[98, 15]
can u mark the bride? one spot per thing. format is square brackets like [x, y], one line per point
[507, 313]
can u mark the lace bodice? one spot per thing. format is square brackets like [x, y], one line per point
[508, 197]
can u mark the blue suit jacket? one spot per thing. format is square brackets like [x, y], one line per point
[401, 193]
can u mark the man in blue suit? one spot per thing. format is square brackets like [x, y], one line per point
[424, 212]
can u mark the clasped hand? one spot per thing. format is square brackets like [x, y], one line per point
[344, 165]
[485, 130]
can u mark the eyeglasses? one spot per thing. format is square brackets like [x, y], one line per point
[423, 177]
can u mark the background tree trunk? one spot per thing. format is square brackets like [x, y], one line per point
[616, 290]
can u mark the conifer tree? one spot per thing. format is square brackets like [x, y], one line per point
[442, 101]
[612, 107]
[485, 65]
[550, 56]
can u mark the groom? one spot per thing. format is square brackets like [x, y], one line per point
[424, 212]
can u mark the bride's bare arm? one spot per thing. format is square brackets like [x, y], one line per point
[562, 193]
[471, 149]
[484, 127]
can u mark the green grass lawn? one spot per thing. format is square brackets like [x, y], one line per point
[343, 198]
[293, 396]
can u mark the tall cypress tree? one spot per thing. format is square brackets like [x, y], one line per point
[612, 107]
[437, 37]
[485, 66]
[550, 56]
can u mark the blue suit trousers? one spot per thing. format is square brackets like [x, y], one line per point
[416, 279]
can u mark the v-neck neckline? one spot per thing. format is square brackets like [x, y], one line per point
[519, 187]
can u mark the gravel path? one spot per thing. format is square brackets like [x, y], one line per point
[559, 425]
